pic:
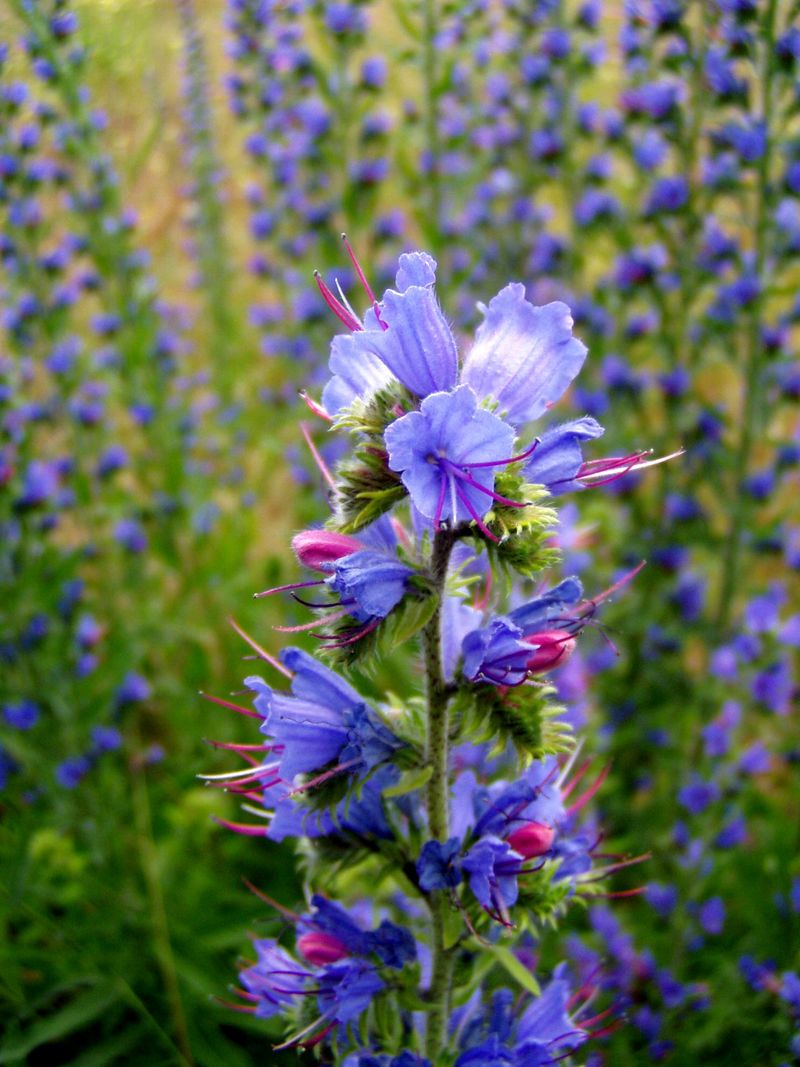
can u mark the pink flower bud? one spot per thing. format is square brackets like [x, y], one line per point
[532, 839]
[317, 549]
[553, 648]
[321, 948]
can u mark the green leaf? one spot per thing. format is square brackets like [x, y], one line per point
[74, 1016]
[454, 928]
[518, 971]
[407, 619]
[409, 781]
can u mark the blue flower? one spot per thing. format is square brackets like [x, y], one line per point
[276, 979]
[445, 454]
[497, 653]
[323, 720]
[542, 1034]
[557, 460]
[524, 357]
[346, 989]
[393, 945]
[22, 715]
[373, 582]
[437, 867]
[492, 867]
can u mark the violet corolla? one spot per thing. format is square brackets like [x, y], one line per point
[444, 799]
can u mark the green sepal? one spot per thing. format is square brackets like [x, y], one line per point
[396, 630]
[525, 715]
[524, 533]
[409, 782]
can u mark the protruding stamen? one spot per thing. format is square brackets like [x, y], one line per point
[601, 471]
[320, 462]
[512, 459]
[262, 653]
[231, 707]
[246, 828]
[288, 588]
[363, 279]
[339, 310]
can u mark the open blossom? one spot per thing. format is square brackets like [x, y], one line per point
[523, 359]
[322, 721]
[446, 453]
[542, 1034]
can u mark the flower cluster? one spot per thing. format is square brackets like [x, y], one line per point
[456, 808]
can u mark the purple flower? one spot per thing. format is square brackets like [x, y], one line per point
[132, 689]
[492, 866]
[323, 720]
[524, 357]
[712, 915]
[346, 990]
[698, 794]
[22, 715]
[373, 582]
[437, 867]
[557, 459]
[446, 454]
[276, 979]
[71, 770]
[497, 653]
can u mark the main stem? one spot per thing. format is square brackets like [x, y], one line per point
[438, 789]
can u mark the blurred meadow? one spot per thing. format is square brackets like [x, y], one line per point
[153, 469]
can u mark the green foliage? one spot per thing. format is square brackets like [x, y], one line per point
[365, 487]
[525, 715]
[399, 627]
[524, 532]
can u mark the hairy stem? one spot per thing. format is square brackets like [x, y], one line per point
[438, 792]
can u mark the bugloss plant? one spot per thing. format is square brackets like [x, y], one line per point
[441, 822]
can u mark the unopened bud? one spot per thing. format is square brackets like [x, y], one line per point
[553, 647]
[317, 549]
[532, 839]
[321, 948]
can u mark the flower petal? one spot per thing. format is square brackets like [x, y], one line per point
[524, 357]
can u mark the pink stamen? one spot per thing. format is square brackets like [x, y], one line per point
[231, 707]
[248, 829]
[514, 459]
[248, 1008]
[320, 462]
[259, 650]
[323, 777]
[454, 469]
[567, 789]
[437, 517]
[363, 279]
[272, 903]
[585, 797]
[481, 524]
[336, 306]
[288, 588]
[315, 408]
[234, 746]
[335, 642]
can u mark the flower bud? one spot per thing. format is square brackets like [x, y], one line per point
[317, 549]
[321, 948]
[532, 839]
[553, 648]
